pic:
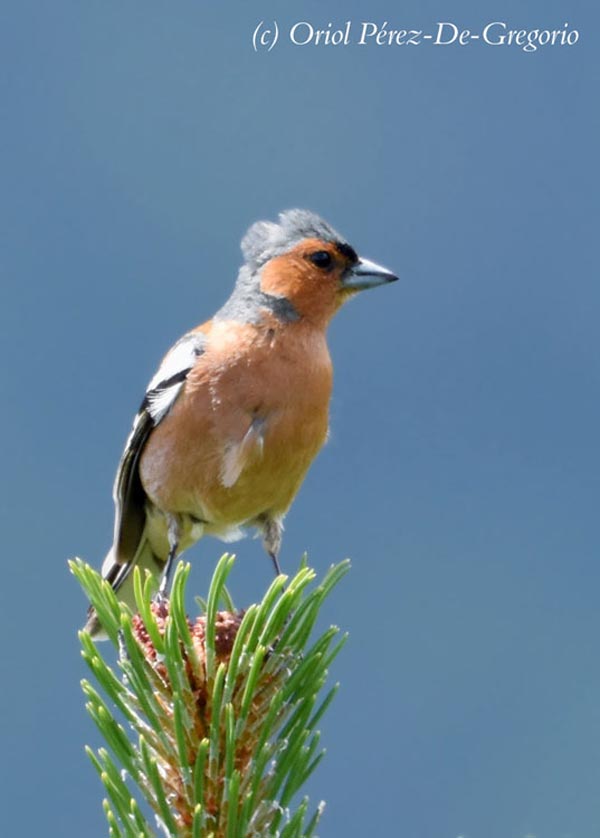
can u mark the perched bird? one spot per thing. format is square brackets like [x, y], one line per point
[239, 407]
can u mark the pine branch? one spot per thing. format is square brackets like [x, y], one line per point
[210, 724]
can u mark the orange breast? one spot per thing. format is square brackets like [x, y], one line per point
[272, 379]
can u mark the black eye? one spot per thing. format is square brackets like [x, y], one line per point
[322, 259]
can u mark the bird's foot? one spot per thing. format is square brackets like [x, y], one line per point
[160, 602]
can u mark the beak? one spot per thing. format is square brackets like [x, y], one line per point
[366, 274]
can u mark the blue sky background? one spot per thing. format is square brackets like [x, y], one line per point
[139, 141]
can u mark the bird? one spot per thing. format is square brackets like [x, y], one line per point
[239, 406]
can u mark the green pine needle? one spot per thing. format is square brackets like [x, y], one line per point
[210, 724]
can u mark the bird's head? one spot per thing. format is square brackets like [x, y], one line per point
[301, 268]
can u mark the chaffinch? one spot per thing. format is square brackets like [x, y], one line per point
[239, 406]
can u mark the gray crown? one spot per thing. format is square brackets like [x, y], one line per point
[266, 239]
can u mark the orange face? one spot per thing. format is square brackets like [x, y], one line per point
[310, 276]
